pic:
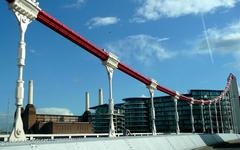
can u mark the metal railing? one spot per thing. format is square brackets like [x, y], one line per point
[72, 136]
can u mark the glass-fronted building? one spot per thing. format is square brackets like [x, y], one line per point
[205, 95]
[101, 118]
[135, 114]
[138, 114]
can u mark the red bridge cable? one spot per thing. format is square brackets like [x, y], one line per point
[63, 30]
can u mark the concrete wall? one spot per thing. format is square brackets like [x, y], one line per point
[163, 142]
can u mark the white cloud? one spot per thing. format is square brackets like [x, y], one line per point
[54, 111]
[143, 96]
[155, 9]
[76, 4]
[236, 62]
[223, 41]
[102, 21]
[142, 48]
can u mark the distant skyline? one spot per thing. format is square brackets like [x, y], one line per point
[183, 45]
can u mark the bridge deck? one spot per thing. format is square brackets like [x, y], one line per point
[168, 142]
[230, 145]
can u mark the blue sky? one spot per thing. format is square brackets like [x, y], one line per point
[162, 39]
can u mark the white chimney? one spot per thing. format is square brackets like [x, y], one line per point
[87, 101]
[30, 92]
[100, 94]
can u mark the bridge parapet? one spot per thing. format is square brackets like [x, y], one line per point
[170, 142]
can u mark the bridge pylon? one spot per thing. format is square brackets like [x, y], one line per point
[24, 13]
[175, 99]
[152, 87]
[111, 64]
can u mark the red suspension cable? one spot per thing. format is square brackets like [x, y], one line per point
[66, 32]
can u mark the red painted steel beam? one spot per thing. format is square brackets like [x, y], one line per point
[133, 74]
[63, 30]
[167, 91]
[185, 98]
[66, 32]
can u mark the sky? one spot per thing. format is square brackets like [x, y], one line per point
[188, 44]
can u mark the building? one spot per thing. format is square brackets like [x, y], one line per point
[138, 114]
[54, 124]
[134, 114]
[101, 118]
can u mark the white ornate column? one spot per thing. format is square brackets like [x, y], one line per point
[111, 63]
[221, 117]
[152, 87]
[231, 116]
[210, 117]
[231, 113]
[192, 117]
[215, 107]
[176, 98]
[25, 11]
[202, 115]
[18, 132]
[226, 114]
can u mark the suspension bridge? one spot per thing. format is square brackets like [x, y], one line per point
[27, 11]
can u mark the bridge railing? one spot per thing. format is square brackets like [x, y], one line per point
[59, 136]
[5, 137]
[72, 136]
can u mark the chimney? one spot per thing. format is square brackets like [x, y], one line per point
[87, 101]
[30, 92]
[100, 96]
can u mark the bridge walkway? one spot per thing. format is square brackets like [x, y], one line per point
[231, 145]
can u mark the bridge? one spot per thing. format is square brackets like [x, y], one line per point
[27, 11]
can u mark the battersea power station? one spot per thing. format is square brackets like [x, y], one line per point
[134, 114]
[53, 124]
